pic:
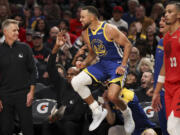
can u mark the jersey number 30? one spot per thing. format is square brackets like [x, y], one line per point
[173, 62]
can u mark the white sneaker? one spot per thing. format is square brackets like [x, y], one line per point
[98, 117]
[129, 124]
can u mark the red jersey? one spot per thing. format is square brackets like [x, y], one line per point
[75, 27]
[172, 56]
[22, 34]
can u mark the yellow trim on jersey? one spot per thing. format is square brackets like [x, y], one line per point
[88, 36]
[126, 95]
[160, 47]
[119, 79]
[94, 32]
[105, 34]
[86, 70]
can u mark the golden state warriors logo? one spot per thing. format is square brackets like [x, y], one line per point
[98, 47]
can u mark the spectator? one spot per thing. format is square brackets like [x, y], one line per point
[41, 54]
[29, 39]
[7, 4]
[65, 57]
[52, 38]
[141, 45]
[37, 15]
[145, 91]
[134, 58]
[152, 40]
[116, 19]
[42, 27]
[70, 124]
[51, 10]
[131, 80]
[132, 32]
[67, 15]
[75, 24]
[142, 18]
[4, 13]
[144, 65]
[64, 25]
[129, 16]
[22, 31]
[27, 16]
[16, 9]
[156, 12]
[104, 8]
[74, 5]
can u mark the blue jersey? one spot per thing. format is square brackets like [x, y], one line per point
[104, 48]
[158, 64]
[110, 57]
[158, 60]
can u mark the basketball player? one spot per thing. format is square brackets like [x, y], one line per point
[171, 69]
[104, 40]
[158, 64]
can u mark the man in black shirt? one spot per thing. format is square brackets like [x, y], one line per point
[145, 91]
[71, 123]
[17, 80]
[41, 54]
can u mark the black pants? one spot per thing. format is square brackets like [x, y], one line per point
[15, 103]
[62, 128]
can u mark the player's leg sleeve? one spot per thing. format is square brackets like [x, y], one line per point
[80, 82]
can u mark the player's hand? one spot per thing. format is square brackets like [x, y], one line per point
[156, 102]
[60, 39]
[1, 106]
[80, 65]
[120, 70]
[30, 97]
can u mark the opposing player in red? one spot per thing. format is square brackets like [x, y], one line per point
[170, 71]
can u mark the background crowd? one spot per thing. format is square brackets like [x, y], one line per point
[40, 22]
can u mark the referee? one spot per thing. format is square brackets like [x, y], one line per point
[17, 81]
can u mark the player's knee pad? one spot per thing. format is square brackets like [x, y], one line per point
[80, 83]
[82, 79]
[173, 124]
